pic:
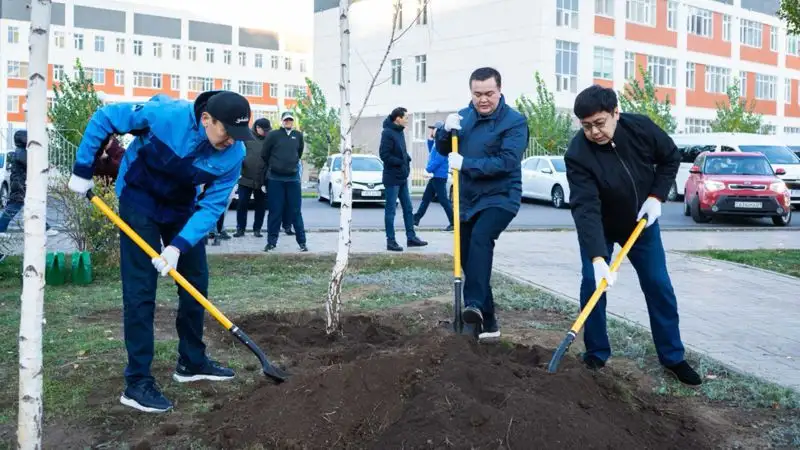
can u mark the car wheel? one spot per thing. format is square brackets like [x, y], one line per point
[783, 220]
[557, 196]
[672, 195]
[3, 196]
[330, 197]
[697, 215]
[686, 211]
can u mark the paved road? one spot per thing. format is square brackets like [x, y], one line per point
[319, 216]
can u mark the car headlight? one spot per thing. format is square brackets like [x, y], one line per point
[713, 186]
[779, 187]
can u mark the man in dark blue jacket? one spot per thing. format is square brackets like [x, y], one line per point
[492, 140]
[437, 166]
[396, 168]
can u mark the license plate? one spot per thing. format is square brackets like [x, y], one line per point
[747, 204]
[795, 193]
[370, 193]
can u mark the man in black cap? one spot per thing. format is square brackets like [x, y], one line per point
[182, 149]
[252, 181]
[283, 149]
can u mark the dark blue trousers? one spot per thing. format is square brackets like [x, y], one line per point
[393, 192]
[285, 194]
[139, 280]
[438, 186]
[649, 260]
[478, 236]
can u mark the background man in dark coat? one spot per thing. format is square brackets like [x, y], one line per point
[252, 180]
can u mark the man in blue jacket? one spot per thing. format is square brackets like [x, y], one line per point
[437, 166]
[492, 140]
[396, 169]
[181, 150]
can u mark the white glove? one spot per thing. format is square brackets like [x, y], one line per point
[427, 175]
[651, 207]
[452, 122]
[80, 185]
[167, 261]
[264, 189]
[601, 270]
[455, 160]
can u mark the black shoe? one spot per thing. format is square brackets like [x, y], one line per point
[449, 228]
[238, 234]
[473, 316]
[416, 242]
[685, 374]
[2, 257]
[303, 248]
[393, 247]
[146, 397]
[288, 231]
[269, 247]
[212, 371]
[593, 362]
[224, 235]
[216, 241]
[257, 233]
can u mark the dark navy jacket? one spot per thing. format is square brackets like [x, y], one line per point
[166, 167]
[492, 147]
[396, 160]
[437, 163]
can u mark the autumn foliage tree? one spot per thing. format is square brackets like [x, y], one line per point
[551, 128]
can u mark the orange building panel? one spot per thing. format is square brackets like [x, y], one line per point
[658, 35]
[604, 25]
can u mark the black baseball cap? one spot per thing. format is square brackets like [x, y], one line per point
[233, 111]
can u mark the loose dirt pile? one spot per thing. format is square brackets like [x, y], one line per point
[380, 387]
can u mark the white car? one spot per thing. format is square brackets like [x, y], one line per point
[545, 178]
[367, 180]
[5, 179]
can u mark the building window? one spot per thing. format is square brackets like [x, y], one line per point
[750, 33]
[121, 46]
[422, 68]
[604, 8]
[138, 48]
[690, 76]
[13, 35]
[199, 84]
[743, 84]
[226, 85]
[672, 15]
[119, 78]
[227, 56]
[175, 82]
[294, 91]
[642, 12]
[242, 59]
[420, 127]
[422, 12]
[663, 70]
[98, 76]
[726, 28]
[700, 22]
[12, 105]
[176, 51]
[251, 88]
[397, 69]
[147, 80]
[768, 128]
[158, 49]
[259, 62]
[17, 69]
[192, 53]
[78, 41]
[567, 13]
[273, 62]
[273, 90]
[303, 66]
[630, 65]
[99, 44]
[787, 91]
[791, 130]
[765, 86]
[287, 63]
[792, 46]
[59, 39]
[210, 55]
[603, 63]
[773, 39]
[697, 125]
[58, 72]
[717, 79]
[566, 66]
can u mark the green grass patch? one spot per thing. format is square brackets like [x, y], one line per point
[786, 262]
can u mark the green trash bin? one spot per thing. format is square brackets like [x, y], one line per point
[82, 268]
[55, 269]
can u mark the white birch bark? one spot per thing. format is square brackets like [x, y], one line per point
[29, 426]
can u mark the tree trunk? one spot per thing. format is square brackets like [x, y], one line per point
[29, 431]
[333, 305]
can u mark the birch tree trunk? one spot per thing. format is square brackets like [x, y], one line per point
[333, 304]
[29, 427]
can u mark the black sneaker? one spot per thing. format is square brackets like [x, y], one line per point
[393, 247]
[303, 248]
[416, 242]
[269, 247]
[216, 241]
[288, 231]
[449, 228]
[146, 397]
[474, 316]
[593, 362]
[212, 372]
[224, 235]
[685, 374]
[238, 234]
[257, 233]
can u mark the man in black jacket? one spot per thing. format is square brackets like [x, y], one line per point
[620, 168]
[283, 149]
[252, 180]
[396, 169]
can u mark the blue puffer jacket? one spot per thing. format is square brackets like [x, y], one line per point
[437, 164]
[396, 160]
[492, 147]
[166, 167]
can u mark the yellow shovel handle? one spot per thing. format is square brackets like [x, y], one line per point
[456, 213]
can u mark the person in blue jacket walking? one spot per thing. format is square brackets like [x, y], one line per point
[438, 167]
[492, 140]
[181, 150]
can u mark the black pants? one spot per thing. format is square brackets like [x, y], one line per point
[139, 281]
[241, 208]
[285, 194]
[439, 187]
[478, 236]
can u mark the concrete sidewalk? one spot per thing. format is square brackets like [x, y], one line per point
[747, 318]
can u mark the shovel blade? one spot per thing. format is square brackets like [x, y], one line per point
[560, 352]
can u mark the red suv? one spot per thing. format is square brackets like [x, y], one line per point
[736, 184]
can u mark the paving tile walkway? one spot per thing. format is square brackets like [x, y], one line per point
[747, 318]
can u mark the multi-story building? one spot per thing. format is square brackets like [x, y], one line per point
[694, 50]
[133, 52]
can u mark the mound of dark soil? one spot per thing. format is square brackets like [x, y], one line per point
[380, 388]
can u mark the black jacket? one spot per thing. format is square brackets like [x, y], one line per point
[18, 169]
[282, 152]
[609, 183]
[396, 160]
[253, 164]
